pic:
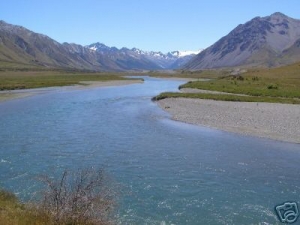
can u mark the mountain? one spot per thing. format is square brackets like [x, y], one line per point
[158, 60]
[124, 58]
[264, 41]
[171, 60]
[20, 45]
[182, 58]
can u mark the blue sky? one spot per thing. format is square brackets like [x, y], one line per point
[160, 25]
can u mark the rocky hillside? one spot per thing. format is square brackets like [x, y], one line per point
[264, 41]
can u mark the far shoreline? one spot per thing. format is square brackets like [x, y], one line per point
[8, 95]
[274, 121]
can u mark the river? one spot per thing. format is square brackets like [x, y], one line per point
[174, 173]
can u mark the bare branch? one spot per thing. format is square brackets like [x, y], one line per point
[84, 197]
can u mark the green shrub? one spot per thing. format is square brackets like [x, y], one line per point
[271, 86]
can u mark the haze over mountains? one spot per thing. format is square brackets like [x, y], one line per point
[264, 41]
[20, 45]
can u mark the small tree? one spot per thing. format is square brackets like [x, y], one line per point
[83, 197]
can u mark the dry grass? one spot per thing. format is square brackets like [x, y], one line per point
[12, 212]
[10, 80]
[261, 85]
[224, 97]
[276, 82]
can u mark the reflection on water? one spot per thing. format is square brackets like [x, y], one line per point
[171, 172]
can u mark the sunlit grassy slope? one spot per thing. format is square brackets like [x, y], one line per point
[267, 85]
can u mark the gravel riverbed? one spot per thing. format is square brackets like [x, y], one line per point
[267, 120]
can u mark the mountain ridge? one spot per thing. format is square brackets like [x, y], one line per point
[21, 45]
[169, 60]
[261, 41]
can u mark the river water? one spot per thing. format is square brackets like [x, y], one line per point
[175, 173]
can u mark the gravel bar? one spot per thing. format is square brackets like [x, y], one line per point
[268, 120]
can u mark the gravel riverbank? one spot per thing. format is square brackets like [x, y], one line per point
[268, 120]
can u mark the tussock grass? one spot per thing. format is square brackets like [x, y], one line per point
[277, 82]
[12, 212]
[11, 80]
[224, 97]
[280, 85]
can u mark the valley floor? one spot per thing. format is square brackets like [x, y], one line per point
[268, 120]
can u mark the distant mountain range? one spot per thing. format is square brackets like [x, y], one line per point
[264, 41]
[170, 60]
[20, 45]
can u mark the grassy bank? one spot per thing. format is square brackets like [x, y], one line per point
[280, 85]
[11, 80]
[12, 212]
[224, 97]
[278, 82]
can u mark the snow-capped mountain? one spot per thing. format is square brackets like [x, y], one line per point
[170, 60]
[185, 53]
[20, 45]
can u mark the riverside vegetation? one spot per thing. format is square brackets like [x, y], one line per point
[11, 80]
[279, 85]
[85, 197]
[276, 85]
